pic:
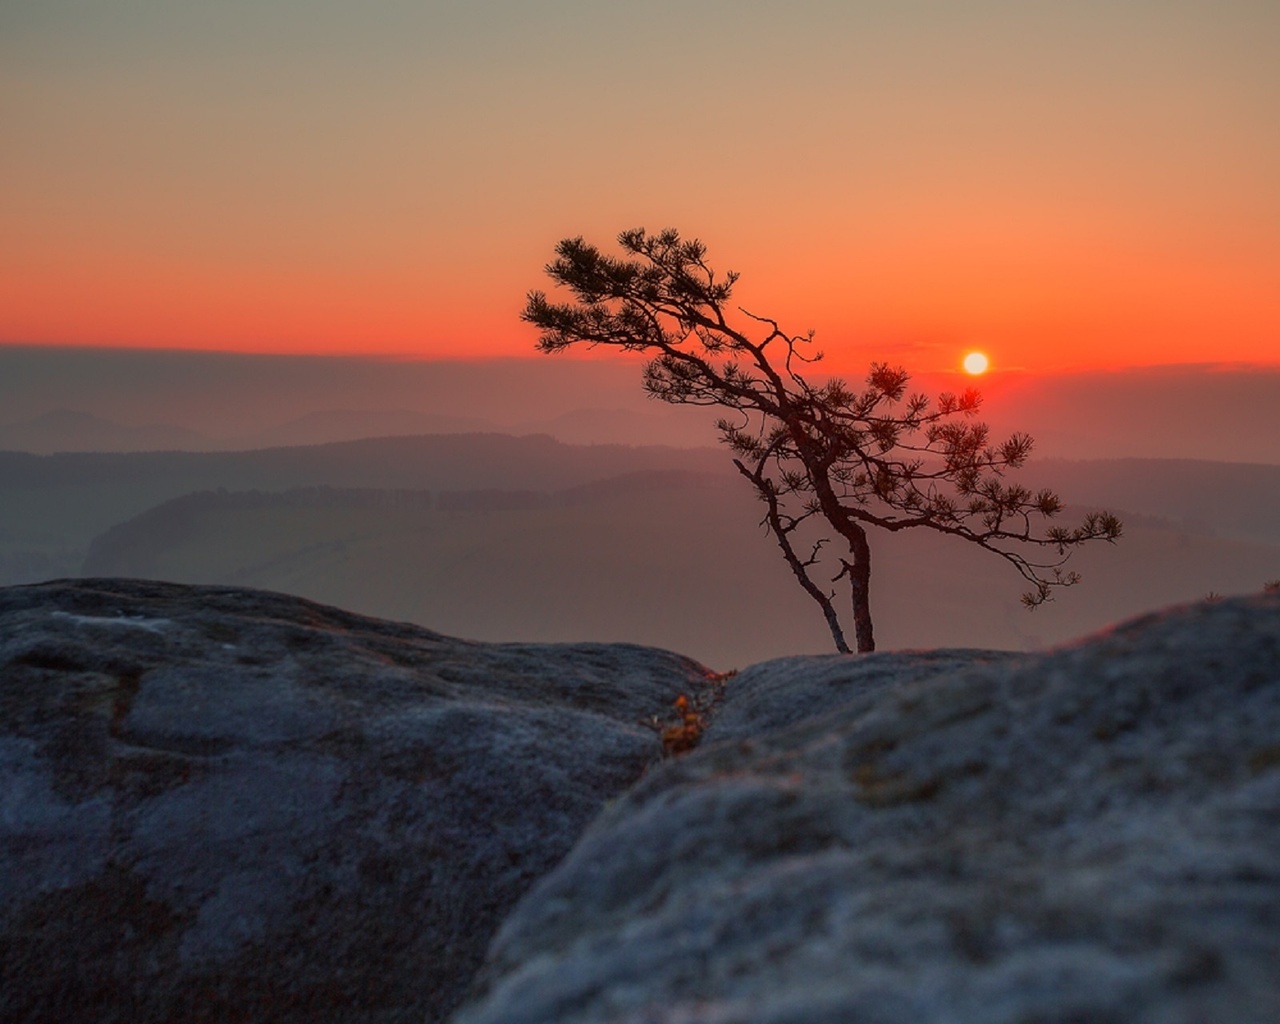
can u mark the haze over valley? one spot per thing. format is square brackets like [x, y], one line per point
[81, 399]
[465, 526]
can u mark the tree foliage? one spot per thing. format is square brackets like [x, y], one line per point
[817, 450]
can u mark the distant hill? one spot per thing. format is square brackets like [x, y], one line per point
[465, 460]
[327, 426]
[1217, 413]
[1232, 499]
[661, 424]
[1227, 499]
[67, 430]
[502, 537]
[51, 506]
[674, 559]
[250, 401]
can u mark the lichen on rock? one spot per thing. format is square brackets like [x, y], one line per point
[1088, 834]
[221, 804]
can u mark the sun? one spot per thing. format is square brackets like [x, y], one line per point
[976, 363]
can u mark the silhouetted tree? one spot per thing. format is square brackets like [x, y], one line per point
[815, 451]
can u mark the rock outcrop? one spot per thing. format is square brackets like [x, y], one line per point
[224, 805]
[1088, 835]
[227, 805]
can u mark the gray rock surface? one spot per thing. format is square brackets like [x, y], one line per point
[1090, 835]
[227, 805]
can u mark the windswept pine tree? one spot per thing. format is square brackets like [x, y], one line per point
[819, 452]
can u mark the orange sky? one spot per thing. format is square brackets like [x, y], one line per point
[1077, 185]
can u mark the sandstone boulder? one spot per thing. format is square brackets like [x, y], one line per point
[226, 805]
[1089, 835]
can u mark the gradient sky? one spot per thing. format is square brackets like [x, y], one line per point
[1068, 185]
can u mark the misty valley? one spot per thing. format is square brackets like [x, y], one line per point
[503, 538]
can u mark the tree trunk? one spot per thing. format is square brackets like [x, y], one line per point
[782, 535]
[860, 588]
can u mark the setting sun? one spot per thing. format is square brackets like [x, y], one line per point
[976, 363]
